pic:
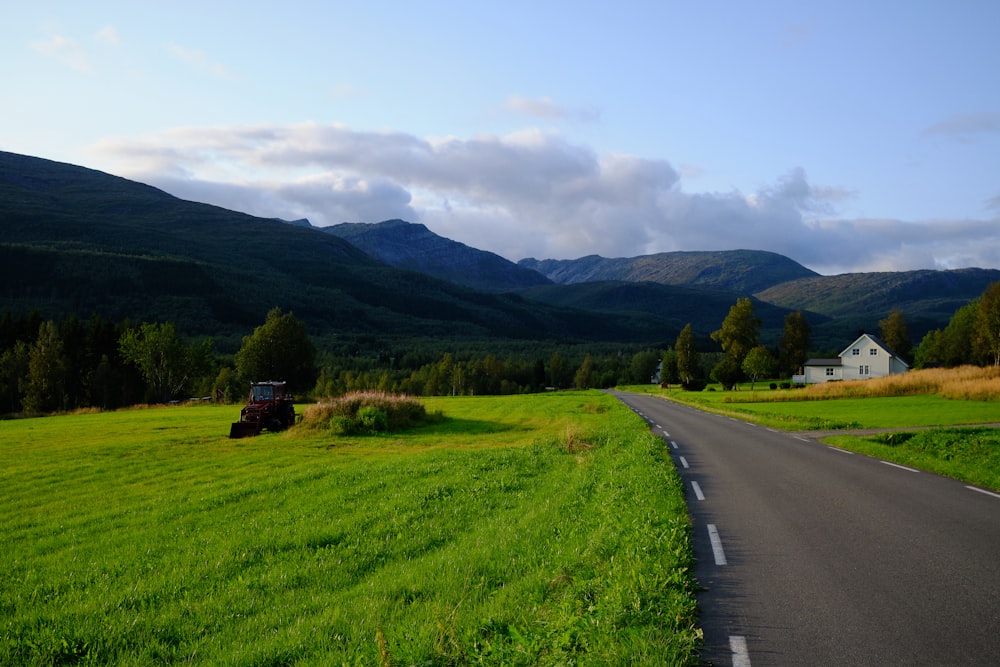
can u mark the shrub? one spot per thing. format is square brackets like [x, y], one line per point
[365, 411]
[774, 385]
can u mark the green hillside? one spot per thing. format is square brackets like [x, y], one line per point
[679, 305]
[856, 301]
[78, 241]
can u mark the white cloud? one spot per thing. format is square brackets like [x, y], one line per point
[66, 50]
[108, 35]
[546, 108]
[199, 60]
[964, 127]
[530, 193]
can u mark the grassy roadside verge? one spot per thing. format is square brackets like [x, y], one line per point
[926, 426]
[519, 530]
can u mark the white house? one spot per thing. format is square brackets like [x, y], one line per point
[865, 358]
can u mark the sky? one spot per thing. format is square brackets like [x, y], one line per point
[849, 136]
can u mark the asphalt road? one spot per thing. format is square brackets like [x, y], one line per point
[810, 555]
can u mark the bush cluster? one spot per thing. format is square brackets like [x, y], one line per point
[365, 412]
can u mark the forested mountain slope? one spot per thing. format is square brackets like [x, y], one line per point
[742, 271]
[407, 245]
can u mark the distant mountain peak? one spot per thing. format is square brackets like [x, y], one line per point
[412, 246]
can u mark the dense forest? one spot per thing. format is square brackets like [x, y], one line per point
[55, 366]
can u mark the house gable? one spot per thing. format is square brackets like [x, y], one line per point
[869, 357]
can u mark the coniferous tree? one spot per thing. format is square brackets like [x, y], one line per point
[45, 384]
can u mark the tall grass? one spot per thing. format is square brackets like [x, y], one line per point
[968, 383]
[536, 530]
[973, 383]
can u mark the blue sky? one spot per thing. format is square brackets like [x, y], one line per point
[850, 136]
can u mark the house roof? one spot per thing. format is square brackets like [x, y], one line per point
[823, 362]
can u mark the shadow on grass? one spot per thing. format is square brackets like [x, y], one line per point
[455, 426]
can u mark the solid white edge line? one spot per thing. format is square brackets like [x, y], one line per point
[896, 465]
[988, 493]
[838, 449]
[801, 438]
[713, 537]
[738, 645]
[684, 462]
[697, 491]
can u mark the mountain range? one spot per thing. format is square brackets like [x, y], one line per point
[79, 241]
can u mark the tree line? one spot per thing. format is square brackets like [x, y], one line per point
[48, 366]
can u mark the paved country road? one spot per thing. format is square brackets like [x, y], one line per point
[811, 555]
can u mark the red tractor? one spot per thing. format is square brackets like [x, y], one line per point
[268, 407]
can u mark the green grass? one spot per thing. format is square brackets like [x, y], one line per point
[519, 530]
[968, 454]
[839, 413]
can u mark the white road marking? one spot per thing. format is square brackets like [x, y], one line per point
[896, 465]
[665, 433]
[738, 645]
[837, 449]
[989, 493]
[801, 438]
[700, 496]
[684, 462]
[673, 444]
[713, 536]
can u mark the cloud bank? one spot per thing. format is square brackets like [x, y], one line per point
[530, 194]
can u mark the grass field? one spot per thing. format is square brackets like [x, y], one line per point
[945, 405]
[519, 530]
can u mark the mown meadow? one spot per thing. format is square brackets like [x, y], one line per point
[939, 420]
[544, 529]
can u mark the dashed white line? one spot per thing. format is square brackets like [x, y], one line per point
[896, 465]
[738, 645]
[700, 496]
[673, 444]
[801, 438]
[989, 493]
[684, 462]
[713, 537]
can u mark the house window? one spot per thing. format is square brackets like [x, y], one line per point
[864, 370]
[829, 372]
[873, 352]
[856, 352]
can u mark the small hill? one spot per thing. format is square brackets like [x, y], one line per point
[407, 245]
[741, 271]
